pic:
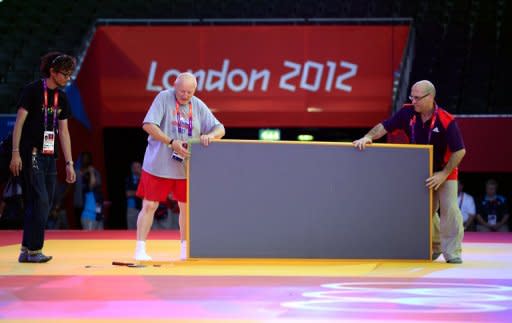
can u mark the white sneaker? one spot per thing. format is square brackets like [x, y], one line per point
[142, 256]
[183, 251]
[140, 252]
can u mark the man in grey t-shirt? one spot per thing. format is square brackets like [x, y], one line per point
[175, 117]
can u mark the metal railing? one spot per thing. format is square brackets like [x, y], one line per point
[402, 77]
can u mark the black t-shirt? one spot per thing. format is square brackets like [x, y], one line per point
[32, 100]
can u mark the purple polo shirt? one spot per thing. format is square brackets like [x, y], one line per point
[445, 135]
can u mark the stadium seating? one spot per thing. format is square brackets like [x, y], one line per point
[461, 45]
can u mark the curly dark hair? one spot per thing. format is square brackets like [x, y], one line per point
[58, 61]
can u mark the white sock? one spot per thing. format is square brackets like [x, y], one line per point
[141, 245]
[183, 250]
[140, 251]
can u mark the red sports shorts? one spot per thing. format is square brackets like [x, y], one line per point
[154, 188]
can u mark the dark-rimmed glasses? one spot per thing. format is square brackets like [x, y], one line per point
[418, 98]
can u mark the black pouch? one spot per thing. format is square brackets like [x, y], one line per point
[12, 189]
[5, 157]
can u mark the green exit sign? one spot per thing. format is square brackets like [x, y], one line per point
[270, 134]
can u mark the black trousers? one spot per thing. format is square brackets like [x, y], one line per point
[39, 180]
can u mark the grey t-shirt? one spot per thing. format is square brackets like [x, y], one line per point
[157, 159]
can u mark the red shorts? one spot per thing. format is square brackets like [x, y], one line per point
[154, 188]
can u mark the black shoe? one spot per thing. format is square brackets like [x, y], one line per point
[23, 256]
[38, 258]
[436, 255]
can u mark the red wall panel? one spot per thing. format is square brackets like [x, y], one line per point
[488, 144]
[251, 76]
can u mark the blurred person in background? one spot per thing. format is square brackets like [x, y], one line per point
[493, 213]
[133, 202]
[58, 218]
[88, 197]
[467, 207]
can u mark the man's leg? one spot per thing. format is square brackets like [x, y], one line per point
[452, 230]
[504, 228]
[144, 222]
[36, 212]
[436, 237]
[183, 229]
[481, 228]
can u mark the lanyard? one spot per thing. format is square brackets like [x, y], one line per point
[45, 106]
[178, 119]
[412, 123]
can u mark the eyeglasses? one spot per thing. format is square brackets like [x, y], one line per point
[66, 75]
[418, 98]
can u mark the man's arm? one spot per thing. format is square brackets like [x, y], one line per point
[375, 133]
[177, 145]
[506, 216]
[481, 221]
[154, 131]
[92, 178]
[503, 221]
[16, 164]
[454, 161]
[438, 178]
[217, 133]
[65, 142]
[469, 222]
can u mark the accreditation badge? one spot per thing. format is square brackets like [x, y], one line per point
[177, 157]
[49, 143]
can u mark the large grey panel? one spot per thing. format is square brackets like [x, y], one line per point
[284, 200]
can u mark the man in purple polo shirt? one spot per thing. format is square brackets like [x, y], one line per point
[427, 124]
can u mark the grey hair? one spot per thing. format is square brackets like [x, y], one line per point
[427, 87]
[186, 76]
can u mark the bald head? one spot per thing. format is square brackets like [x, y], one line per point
[185, 87]
[422, 97]
[426, 87]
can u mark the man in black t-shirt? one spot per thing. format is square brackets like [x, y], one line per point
[43, 112]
